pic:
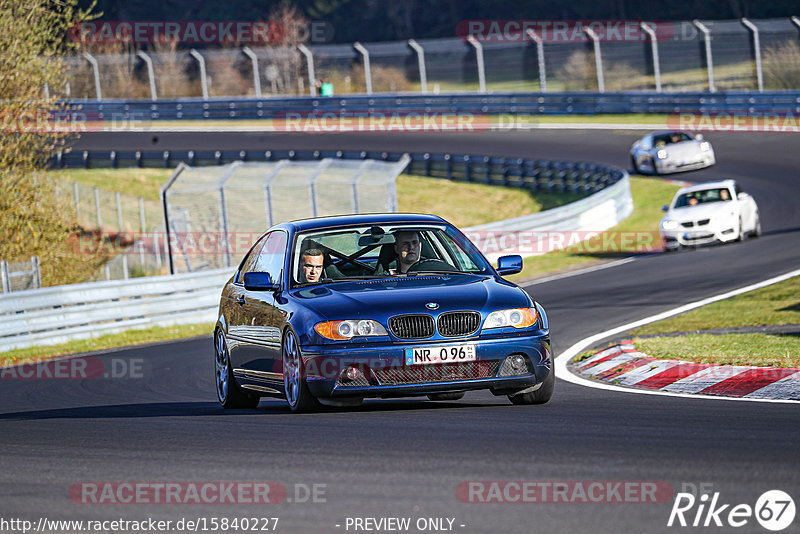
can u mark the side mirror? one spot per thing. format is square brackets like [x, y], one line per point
[509, 264]
[259, 282]
[664, 208]
[699, 137]
[742, 195]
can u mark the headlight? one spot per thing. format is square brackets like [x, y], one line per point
[705, 146]
[661, 154]
[516, 317]
[340, 330]
[669, 224]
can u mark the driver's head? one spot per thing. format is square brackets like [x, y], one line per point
[406, 246]
[312, 262]
[723, 194]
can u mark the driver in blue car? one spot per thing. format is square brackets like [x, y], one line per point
[313, 262]
[407, 248]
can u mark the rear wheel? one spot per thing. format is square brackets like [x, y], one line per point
[634, 165]
[541, 395]
[298, 396]
[229, 393]
[452, 396]
[757, 227]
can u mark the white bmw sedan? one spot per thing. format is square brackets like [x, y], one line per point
[711, 212]
[668, 152]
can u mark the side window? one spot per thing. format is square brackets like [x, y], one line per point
[272, 255]
[249, 261]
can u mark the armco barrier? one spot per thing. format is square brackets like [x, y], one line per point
[58, 314]
[536, 175]
[494, 103]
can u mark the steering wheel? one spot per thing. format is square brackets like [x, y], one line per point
[431, 264]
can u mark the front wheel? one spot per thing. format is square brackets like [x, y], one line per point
[742, 234]
[229, 393]
[298, 396]
[757, 227]
[634, 165]
[541, 395]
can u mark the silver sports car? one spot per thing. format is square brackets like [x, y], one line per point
[671, 151]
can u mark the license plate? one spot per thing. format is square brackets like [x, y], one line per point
[446, 354]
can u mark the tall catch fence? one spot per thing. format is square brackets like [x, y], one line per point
[215, 213]
[677, 56]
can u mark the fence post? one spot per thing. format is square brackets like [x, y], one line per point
[96, 70]
[77, 201]
[37, 274]
[203, 80]
[479, 56]
[709, 59]
[312, 181]
[598, 59]
[6, 281]
[310, 62]
[757, 51]
[143, 230]
[423, 74]
[654, 44]
[539, 58]
[97, 208]
[367, 72]
[150, 74]
[119, 227]
[256, 75]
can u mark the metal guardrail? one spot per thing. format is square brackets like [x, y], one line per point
[495, 103]
[536, 175]
[59, 314]
[53, 315]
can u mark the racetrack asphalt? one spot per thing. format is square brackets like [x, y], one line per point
[406, 458]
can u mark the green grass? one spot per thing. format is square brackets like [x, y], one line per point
[760, 350]
[124, 339]
[772, 305]
[467, 204]
[130, 181]
[637, 234]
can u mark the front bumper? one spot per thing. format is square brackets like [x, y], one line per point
[668, 166]
[674, 239]
[385, 373]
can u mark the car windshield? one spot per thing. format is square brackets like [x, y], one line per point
[330, 255]
[670, 138]
[703, 196]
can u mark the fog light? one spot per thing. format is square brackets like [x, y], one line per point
[352, 373]
[517, 362]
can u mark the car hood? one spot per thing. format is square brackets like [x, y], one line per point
[682, 150]
[383, 298]
[711, 210]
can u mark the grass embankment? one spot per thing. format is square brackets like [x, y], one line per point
[778, 304]
[463, 204]
[637, 234]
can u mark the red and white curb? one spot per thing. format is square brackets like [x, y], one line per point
[623, 365]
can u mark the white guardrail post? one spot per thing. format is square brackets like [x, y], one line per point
[540, 59]
[757, 52]
[598, 59]
[479, 57]
[96, 70]
[256, 76]
[709, 57]
[423, 74]
[654, 44]
[202, 63]
[151, 75]
[367, 71]
[312, 86]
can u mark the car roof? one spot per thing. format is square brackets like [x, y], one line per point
[356, 219]
[667, 132]
[706, 185]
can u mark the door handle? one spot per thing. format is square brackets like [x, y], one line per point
[240, 300]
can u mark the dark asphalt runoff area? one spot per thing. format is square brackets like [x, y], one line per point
[160, 422]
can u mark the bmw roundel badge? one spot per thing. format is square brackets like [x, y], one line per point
[432, 306]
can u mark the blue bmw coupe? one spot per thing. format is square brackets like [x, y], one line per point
[333, 310]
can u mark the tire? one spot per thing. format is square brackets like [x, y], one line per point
[634, 166]
[757, 228]
[229, 394]
[742, 234]
[452, 396]
[298, 397]
[540, 396]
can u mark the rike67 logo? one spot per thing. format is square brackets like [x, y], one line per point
[774, 510]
